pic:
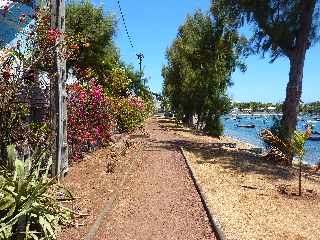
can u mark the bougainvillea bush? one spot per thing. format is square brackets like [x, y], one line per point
[130, 112]
[90, 117]
[20, 65]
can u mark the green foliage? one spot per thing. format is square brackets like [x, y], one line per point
[257, 106]
[14, 127]
[281, 28]
[165, 104]
[130, 112]
[200, 63]
[100, 53]
[39, 135]
[277, 24]
[28, 200]
[149, 102]
[297, 142]
[99, 59]
[313, 107]
[215, 127]
[136, 81]
[277, 128]
[118, 82]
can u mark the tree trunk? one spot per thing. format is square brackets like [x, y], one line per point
[300, 170]
[293, 95]
[297, 57]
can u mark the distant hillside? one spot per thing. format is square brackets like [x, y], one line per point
[313, 107]
[257, 106]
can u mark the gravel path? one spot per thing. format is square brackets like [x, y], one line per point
[159, 200]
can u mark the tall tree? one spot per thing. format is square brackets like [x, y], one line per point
[200, 63]
[83, 19]
[283, 28]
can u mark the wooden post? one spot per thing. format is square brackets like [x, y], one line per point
[58, 97]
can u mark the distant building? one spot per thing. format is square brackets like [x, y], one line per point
[271, 109]
[246, 110]
[235, 110]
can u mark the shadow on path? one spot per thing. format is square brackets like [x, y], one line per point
[231, 159]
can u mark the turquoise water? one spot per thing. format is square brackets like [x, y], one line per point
[251, 135]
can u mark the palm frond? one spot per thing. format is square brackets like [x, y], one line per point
[279, 150]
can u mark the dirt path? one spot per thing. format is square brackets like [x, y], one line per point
[157, 201]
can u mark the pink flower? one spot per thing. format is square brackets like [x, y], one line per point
[53, 34]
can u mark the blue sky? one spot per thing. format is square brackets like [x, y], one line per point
[153, 26]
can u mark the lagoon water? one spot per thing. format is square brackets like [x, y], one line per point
[251, 135]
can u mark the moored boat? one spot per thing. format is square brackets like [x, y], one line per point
[314, 138]
[246, 126]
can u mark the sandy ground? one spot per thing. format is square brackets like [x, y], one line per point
[158, 201]
[252, 199]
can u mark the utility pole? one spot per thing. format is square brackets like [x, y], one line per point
[58, 97]
[140, 57]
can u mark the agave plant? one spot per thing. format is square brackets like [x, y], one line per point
[29, 208]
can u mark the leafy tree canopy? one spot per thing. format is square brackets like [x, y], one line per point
[283, 28]
[198, 72]
[86, 20]
[277, 24]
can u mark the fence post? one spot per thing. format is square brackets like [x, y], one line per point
[58, 96]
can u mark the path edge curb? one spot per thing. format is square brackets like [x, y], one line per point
[213, 220]
[108, 204]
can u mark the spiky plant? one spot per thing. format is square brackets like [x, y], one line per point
[29, 207]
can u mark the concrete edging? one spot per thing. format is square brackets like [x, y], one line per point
[215, 225]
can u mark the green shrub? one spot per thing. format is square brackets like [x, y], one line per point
[215, 127]
[29, 208]
[130, 112]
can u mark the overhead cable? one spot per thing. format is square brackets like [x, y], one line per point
[125, 25]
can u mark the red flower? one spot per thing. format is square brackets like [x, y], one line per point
[90, 115]
[53, 34]
[74, 46]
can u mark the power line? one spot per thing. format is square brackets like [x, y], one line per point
[139, 55]
[125, 25]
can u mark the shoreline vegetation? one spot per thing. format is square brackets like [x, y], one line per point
[259, 107]
[252, 198]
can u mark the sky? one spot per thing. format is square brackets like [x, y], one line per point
[153, 26]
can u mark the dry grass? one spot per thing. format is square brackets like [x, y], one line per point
[253, 199]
